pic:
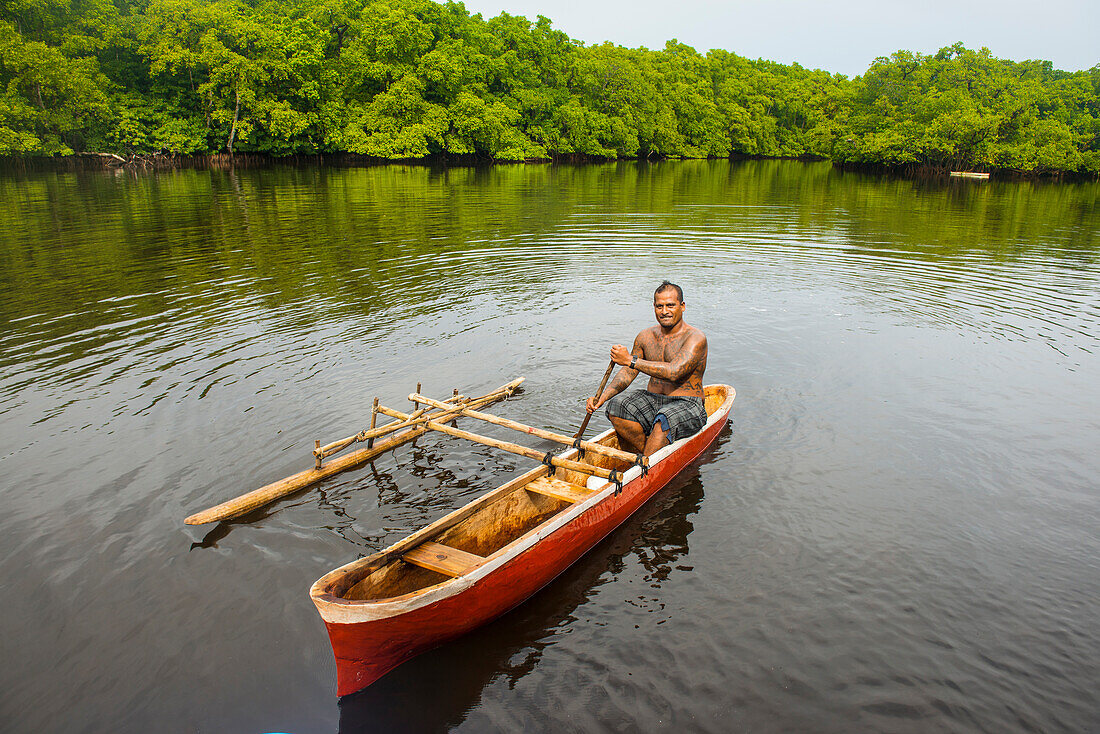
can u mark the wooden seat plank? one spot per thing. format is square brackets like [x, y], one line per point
[442, 558]
[559, 489]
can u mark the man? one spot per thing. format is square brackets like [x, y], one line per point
[674, 355]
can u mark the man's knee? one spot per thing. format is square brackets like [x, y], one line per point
[625, 424]
[660, 433]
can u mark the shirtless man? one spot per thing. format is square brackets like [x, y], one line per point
[674, 356]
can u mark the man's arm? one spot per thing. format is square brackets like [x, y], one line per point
[622, 380]
[682, 365]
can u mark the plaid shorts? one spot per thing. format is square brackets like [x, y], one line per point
[680, 416]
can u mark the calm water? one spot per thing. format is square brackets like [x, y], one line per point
[898, 533]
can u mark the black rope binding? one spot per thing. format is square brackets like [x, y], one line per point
[548, 460]
[639, 461]
[578, 447]
[617, 478]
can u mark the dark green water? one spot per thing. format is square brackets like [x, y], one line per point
[898, 533]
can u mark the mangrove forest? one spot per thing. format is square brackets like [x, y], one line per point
[409, 79]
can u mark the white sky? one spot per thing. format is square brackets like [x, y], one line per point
[843, 36]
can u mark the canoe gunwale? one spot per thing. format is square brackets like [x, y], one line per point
[336, 609]
[364, 566]
[394, 605]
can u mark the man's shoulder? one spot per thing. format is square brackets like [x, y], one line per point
[693, 334]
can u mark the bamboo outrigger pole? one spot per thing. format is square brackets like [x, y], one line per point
[416, 427]
[515, 448]
[595, 448]
[416, 417]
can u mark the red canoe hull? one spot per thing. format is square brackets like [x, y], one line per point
[367, 650]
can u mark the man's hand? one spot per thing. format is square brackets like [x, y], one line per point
[620, 355]
[591, 404]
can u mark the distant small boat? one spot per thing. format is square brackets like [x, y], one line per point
[969, 174]
[489, 556]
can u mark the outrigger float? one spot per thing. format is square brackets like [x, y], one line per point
[483, 559]
[393, 434]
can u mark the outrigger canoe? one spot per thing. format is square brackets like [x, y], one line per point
[487, 557]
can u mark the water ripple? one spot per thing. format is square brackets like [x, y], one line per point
[897, 533]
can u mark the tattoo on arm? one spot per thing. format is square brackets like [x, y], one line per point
[622, 380]
[625, 376]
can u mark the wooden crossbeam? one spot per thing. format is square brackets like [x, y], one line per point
[450, 407]
[513, 448]
[442, 558]
[595, 448]
[559, 489]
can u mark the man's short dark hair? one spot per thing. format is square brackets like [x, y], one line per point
[666, 285]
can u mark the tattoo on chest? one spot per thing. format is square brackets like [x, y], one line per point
[665, 349]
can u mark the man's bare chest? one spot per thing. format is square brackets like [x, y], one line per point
[664, 348]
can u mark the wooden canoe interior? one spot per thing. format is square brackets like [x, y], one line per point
[493, 522]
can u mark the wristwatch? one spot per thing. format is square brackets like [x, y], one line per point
[633, 361]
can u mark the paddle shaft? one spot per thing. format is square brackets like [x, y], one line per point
[599, 392]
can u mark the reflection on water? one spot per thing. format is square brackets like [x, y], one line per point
[899, 533]
[111, 279]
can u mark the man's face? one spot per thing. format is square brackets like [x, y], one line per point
[668, 308]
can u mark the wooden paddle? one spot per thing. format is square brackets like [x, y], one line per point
[599, 392]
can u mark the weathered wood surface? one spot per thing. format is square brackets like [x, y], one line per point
[373, 421]
[383, 557]
[442, 558]
[559, 489]
[269, 493]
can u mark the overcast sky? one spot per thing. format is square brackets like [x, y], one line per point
[843, 36]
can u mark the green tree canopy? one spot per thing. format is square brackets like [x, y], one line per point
[403, 79]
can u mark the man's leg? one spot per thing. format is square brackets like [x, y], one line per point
[657, 439]
[631, 436]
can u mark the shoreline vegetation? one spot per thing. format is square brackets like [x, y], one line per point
[169, 83]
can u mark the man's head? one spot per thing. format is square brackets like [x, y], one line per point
[668, 304]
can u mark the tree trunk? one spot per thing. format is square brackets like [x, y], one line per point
[233, 127]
